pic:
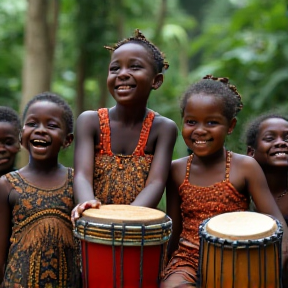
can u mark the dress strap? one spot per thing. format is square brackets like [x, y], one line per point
[145, 131]
[105, 140]
[188, 167]
[228, 161]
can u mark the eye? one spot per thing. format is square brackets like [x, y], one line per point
[10, 142]
[211, 123]
[30, 124]
[190, 122]
[268, 138]
[113, 68]
[53, 125]
[136, 66]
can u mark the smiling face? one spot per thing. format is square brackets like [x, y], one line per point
[204, 125]
[9, 146]
[44, 131]
[132, 74]
[272, 143]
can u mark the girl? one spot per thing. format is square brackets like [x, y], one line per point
[37, 200]
[267, 143]
[123, 154]
[211, 180]
[9, 139]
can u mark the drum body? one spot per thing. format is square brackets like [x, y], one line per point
[123, 246]
[240, 250]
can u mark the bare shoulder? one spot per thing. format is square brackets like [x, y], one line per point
[162, 121]
[89, 120]
[178, 169]
[243, 160]
[5, 188]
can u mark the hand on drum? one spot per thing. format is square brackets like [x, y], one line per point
[80, 208]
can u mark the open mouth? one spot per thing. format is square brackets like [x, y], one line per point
[40, 143]
[279, 154]
[124, 87]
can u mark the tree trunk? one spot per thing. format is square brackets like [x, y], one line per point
[40, 31]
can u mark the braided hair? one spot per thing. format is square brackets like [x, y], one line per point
[160, 64]
[252, 129]
[9, 115]
[54, 98]
[218, 87]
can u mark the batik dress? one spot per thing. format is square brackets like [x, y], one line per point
[118, 179]
[43, 251]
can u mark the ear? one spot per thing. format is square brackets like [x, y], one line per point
[250, 151]
[158, 80]
[69, 139]
[232, 125]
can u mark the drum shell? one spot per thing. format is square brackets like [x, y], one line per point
[240, 264]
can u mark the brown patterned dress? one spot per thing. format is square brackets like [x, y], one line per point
[118, 179]
[43, 251]
[198, 204]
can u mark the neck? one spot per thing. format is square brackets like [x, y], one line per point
[128, 114]
[47, 166]
[277, 180]
[211, 159]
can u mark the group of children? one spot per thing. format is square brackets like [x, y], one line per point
[123, 155]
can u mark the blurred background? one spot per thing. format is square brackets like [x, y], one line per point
[57, 45]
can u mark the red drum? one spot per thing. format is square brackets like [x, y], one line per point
[123, 246]
[240, 250]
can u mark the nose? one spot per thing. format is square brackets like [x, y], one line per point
[40, 128]
[199, 129]
[2, 148]
[280, 142]
[123, 73]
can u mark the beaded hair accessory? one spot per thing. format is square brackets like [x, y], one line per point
[225, 80]
[138, 36]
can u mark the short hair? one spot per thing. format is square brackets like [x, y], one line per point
[218, 87]
[252, 128]
[54, 98]
[160, 64]
[9, 115]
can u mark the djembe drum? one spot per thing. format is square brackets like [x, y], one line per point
[123, 246]
[240, 250]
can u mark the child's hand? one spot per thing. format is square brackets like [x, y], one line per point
[80, 208]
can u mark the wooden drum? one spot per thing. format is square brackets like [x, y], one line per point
[240, 250]
[123, 246]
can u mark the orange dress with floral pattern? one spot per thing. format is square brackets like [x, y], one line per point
[43, 251]
[198, 204]
[118, 179]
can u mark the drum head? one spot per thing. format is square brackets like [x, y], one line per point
[241, 226]
[127, 214]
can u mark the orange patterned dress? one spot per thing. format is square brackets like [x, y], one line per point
[198, 204]
[118, 179]
[43, 251]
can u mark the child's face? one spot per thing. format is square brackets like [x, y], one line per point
[131, 74]
[272, 143]
[9, 146]
[204, 125]
[44, 131]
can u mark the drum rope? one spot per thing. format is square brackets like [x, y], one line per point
[260, 270]
[141, 257]
[122, 255]
[86, 256]
[113, 255]
[222, 260]
[248, 266]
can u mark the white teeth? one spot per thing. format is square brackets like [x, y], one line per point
[39, 141]
[200, 142]
[280, 154]
[124, 87]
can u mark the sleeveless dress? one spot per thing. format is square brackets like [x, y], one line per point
[198, 204]
[118, 179]
[43, 252]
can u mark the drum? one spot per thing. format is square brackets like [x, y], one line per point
[123, 246]
[240, 250]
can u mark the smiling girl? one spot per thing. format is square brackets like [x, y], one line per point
[37, 200]
[123, 154]
[211, 180]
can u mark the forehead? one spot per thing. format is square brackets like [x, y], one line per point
[45, 109]
[200, 101]
[273, 124]
[7, 129]
[132, 50]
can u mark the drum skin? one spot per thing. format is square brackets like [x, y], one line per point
[125, 248]
[240, 260]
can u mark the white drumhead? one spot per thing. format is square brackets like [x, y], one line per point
[114, 213]
[241, 226]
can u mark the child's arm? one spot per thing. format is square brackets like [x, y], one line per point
[173, 203]
[155, 183]
[5, 221]
[85, 137]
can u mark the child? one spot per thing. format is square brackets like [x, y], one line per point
[211, 180]
[37, 200]
[123, 154]
[267, 143]
[9, 139]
